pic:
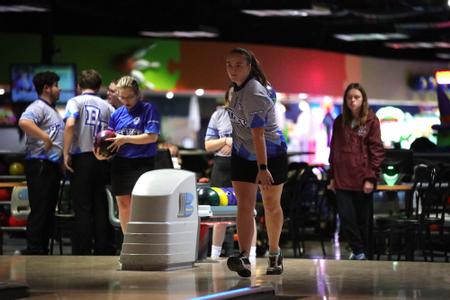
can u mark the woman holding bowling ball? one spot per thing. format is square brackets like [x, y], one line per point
[137, 126]
[258, 158]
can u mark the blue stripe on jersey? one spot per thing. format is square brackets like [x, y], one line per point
[257, 122]
[71, 115]
[212, 132]
[243, 152]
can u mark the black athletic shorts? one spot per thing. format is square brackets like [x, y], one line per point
[246, 170]
[221, 172]
[126, 171]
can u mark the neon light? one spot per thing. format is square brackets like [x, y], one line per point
[390, 179]
[227, 293]
[443, 77]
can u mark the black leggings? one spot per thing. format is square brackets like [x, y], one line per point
[354, 214]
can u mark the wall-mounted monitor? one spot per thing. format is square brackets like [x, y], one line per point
[22, 88]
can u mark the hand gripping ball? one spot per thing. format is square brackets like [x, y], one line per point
[102, 144]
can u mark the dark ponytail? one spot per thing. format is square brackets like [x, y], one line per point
[256, 70]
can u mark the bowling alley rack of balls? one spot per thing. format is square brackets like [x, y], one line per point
[7, 170]
[216, 196]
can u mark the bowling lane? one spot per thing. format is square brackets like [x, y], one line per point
[72, 277]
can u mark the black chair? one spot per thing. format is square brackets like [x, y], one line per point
[163, 159]
[64, 217]
[397, 234]
[302, 202]
[434, 235]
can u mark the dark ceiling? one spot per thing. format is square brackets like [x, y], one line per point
[426, 22]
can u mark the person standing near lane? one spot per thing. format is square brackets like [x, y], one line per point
[356, 154]
[218, 140]
[258, 159]
[44, 128]
[137, 127]
[86, 115]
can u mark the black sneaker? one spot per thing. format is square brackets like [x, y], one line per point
[275, 264]
[240, 264]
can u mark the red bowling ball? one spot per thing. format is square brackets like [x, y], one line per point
[102, 143]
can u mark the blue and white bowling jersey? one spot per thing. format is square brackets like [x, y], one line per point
[142, 118]
[48, 119]
[252, 107]
[219, 126]
[92, 115]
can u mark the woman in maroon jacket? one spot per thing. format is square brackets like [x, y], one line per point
[355, 158]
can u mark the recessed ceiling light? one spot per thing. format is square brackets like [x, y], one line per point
[418, 45]
[358, 37]
[180, 34]
[287, 12]
[422, 25]
[199, 92]
[443, 55]
[22, 8]
[303, 96]
[169, 95]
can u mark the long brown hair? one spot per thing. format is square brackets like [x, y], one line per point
[228, 95]
[256, 70]
[347, 113]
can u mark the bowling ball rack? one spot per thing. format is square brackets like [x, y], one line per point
[217, 214]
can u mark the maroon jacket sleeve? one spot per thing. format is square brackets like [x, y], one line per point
[375, 151]
[332, 147]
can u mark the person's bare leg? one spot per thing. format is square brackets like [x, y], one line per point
[274, 215]
[218, 234]
[252, 254]
[219, 231]
[246, 200]
[124, 205]
[255, 233]
[274, 224]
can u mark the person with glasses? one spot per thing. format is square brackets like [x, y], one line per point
[137, 127]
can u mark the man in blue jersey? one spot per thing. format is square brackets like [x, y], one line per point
[43, 127]
[86, 115]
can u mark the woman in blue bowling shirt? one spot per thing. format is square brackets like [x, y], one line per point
[137, 126]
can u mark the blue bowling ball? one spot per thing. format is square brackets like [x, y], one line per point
[232, 200]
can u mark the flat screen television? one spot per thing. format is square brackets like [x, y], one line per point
[22, 88]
